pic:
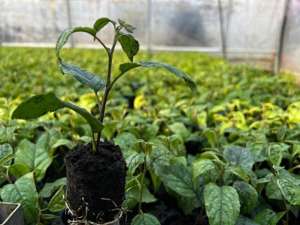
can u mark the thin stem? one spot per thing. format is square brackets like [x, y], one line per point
[108, 81]
[102, 43]
[98, 101]
[142, 183]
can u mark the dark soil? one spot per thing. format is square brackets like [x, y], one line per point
[94, 177]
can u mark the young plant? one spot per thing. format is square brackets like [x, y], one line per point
[39, 105]
[89, 195]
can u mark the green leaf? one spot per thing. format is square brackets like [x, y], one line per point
[125, 67]
[248, 196]
[64, 36]
[91, 80]
[205, 168]
[35, 156]
[129, 28]
[145, 219]
[129, 45]
[289, 186]
[133, 191]
[18, 170]
[37, 106]
[245, 221]
[268, 217]
[101, 22]
[179, 179]
[221, 204]
[171, 69]
[134, 161]
[272, 190]
[276, 152]
[95, 124]
[6, 154]
[238, 156]
[150, 64]
[50, 188]
[23, 191]
[57, 203]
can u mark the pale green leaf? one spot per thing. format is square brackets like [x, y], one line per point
[221, 204]
[180, 180]
[35, 156]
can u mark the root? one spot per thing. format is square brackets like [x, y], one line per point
[82, 220]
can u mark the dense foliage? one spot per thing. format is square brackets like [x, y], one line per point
[230, 152]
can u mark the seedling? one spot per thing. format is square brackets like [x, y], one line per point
[39, 105]
[85, 186]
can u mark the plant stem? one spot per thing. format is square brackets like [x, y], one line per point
[142, 183]
[108, 81]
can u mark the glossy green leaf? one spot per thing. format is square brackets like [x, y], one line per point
[35, 156]
[129, 45]
[37, 106]
[180, 180]
[101, 22]
[238, 156]
[57, 202]
[23, 191]
[221, 204]
[248, 196]
[145, 219]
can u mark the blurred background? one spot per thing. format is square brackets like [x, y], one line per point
[261, 33]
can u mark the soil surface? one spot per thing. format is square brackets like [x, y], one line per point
[95, 181]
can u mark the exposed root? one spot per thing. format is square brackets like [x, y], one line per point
[82, 220]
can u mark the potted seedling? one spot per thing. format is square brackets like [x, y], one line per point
[96, 171]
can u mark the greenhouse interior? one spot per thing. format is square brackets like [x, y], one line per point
[150, 112]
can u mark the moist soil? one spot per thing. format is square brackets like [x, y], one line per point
[95, 181]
